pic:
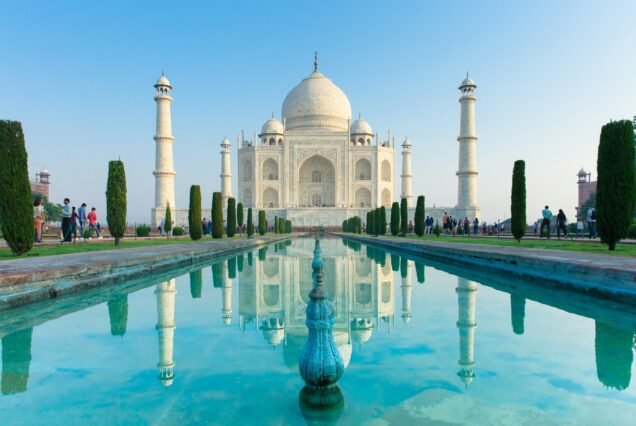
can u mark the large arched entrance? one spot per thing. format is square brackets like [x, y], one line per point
[317, 183]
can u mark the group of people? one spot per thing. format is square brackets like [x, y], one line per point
[561, 223]
[71, 218]
[454, 226]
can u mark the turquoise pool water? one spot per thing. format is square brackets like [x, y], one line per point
[423, 343]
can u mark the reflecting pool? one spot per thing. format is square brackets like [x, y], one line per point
[422, 343]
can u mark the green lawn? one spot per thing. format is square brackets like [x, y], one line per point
[81, 247]
[551, 244]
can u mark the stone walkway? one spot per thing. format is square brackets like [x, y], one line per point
[24, 281]
[611, 277]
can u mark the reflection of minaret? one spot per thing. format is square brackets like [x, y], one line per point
[466, 298]
[166, 292]
[118, 314]
[16, 359]
[406, 293]
[517, 313]
[226, 291]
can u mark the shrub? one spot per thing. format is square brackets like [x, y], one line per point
[615, 188]
[231, 217]
[262, 222]
[178, 231]
[141, 231]
[632, 231]
[167, 227]
[116, 200]
[404, 217]
[250, 223]
[437, 230]
[217, 215]
[518, 200]
[419, 216]
[194, 213]
[16, 207]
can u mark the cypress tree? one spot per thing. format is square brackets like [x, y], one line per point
[377, 220]
[358, 225]
[368, 228]
[239, 215]
[231, 217]
[344, 226]
[371, 223]
[395, 218]
[288, 226]
[16, 207]
[250, 223]
[419, 216]
[217, 215]
[194, 213]
[615, 189]
[167, 226]
[116, 200]
[404, 217]
[262, 222]
[276, 227]
[382, 220]
[518, 200]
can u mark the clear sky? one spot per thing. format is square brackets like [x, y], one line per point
[79, 76]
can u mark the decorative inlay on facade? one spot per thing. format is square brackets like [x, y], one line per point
[304, 153]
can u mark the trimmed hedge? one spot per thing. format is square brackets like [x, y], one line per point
[142, 231]
[178, 231]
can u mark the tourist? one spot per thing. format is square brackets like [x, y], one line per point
[535, 227]
[590, 217]
[81, 212]
[204, 226]
[410, 226]
[93, 225]
[475, 226]
[67, 211]
[445, 222]
[162, 225]
[560, 222]
[38, 219]
[484, 229]
[547, 217]
[579, 228]
[74, 217]
[466, 226]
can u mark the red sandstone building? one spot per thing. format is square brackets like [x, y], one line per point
[41, 183]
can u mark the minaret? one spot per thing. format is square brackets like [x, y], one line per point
[226, 172]
[164, 166]
[166, 292]
[467, 173]
[466, 297]
[406, 293]
[407, 174]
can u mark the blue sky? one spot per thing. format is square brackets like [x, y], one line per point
[79, 76]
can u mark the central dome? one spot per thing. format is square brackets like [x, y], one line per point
[316, 102]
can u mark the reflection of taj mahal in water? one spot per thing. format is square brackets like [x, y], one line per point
[273, 295]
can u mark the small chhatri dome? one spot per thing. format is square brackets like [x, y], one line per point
[407, 142]
[582, 172]
[45, 172]
[468, 82]
[361, 127]
[316, 102]
[272, 126]
[163, 81]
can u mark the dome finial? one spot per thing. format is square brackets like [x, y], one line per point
[315, 61]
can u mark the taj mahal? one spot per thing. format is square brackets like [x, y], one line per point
[317, 166]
